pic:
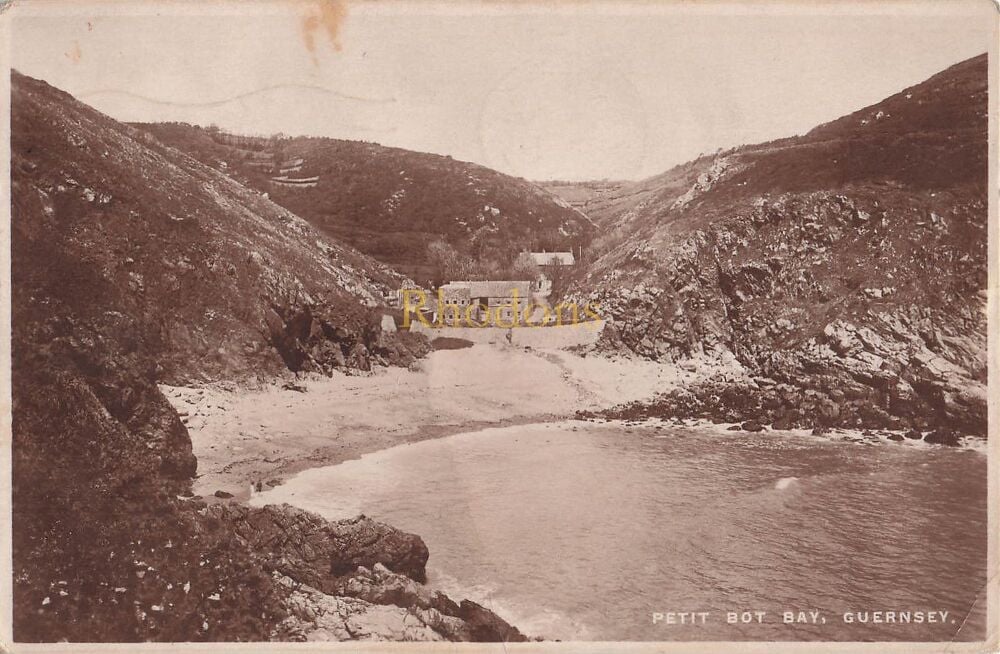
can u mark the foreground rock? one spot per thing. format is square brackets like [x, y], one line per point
[313, 550]
[316, 616]
[379, 604]
[466, 621]
[354, 579]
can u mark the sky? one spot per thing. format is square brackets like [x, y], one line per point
[555, 92]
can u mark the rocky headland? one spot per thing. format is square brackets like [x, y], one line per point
[844, 269]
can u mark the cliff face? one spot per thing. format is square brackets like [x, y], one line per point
[391, 203]
[135, 265]
[849, 263]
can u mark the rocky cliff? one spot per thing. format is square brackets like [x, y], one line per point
[845, 269]
[133, 265]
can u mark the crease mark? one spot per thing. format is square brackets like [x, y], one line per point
[238, 97]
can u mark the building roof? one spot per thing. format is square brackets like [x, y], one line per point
[491, 289]
[454, 291]
[553, 258]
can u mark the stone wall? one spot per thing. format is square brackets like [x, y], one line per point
[564, 336]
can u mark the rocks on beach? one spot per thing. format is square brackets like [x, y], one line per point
[943, 437]
[355, 579]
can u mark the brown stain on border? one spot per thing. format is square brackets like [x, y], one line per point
[326, 16]
[75, 54]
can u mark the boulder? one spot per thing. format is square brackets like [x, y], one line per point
[784, 422]
[752, 425]
[358, 357]
[943, 437]
[486, 627]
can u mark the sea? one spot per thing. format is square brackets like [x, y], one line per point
[583, 531]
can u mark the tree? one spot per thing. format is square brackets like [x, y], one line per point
[447, 263]
[525, 268]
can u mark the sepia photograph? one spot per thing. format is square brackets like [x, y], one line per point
[536, 326]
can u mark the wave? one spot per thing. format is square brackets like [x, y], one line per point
[785, 482]
[534, 622]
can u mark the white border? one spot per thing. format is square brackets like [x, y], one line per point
[437, 7]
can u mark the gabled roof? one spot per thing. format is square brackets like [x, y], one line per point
[455, 292]
[491, 288]
[553, 258]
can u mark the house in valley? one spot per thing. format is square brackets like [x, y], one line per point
[491, 302]
[553, 259]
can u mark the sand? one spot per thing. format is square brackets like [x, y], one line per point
[244, 436]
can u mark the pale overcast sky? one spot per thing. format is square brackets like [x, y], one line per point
[613, 93]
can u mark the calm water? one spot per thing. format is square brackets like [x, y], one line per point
[583, 531]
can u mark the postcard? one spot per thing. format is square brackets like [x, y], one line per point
[499, 326]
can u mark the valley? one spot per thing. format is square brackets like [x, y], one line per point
[199, 316]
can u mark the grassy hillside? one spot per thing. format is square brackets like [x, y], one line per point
[215, 277]
[597, 199]
[391, 203]
[134, 265]
[851, 258]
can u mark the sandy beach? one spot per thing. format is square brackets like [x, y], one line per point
[244, 436]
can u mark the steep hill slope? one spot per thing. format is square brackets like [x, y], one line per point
[849, 262]
[215, 277]
[388, 202]
[134, 264]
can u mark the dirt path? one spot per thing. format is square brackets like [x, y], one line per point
[241, 437]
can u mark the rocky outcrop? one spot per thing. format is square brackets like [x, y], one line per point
[354, 579]
[315, 338]
[851, 377]
[465, 621]
[845, 269]
[103, 548]
[312, 550]
[316, 616]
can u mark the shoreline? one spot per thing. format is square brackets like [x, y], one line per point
[263, 436]
[250, 440]
[247, 441]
